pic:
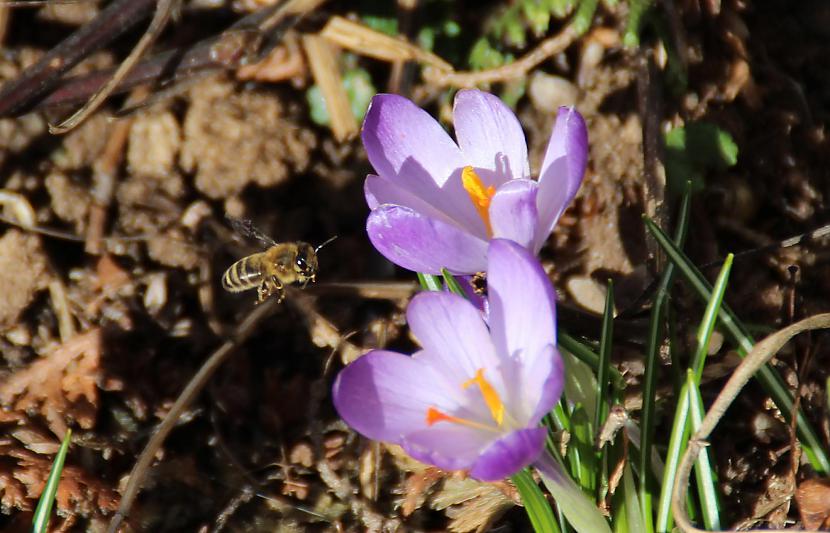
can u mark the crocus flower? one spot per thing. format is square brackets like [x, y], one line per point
[473, 397]
[436, 203]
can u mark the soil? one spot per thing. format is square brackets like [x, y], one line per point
[102, 335]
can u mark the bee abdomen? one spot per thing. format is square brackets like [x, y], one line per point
[241, 276]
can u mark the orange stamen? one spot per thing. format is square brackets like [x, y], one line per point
[434, 416]
[491, 397]
[479, 195]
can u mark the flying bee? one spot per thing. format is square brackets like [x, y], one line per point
[270, 271]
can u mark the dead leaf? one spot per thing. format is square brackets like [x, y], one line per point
[813, 498]
[471, 505]
[23, 478]
[60, 386]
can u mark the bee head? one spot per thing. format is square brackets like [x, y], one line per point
[306, 262]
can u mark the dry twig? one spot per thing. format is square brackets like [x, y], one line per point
[755, 359]
[20, 95]
[191, 390]
[164, 10]
[547, 48]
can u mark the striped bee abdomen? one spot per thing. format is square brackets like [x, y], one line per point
[243, 275]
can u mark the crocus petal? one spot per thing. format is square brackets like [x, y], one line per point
[406, 145]
[380, 190]
[422, 244]
[384, 395]
[447, 446]
[562, 169]
[509, 454]
[522, 302]
[450, 327]
[513, 212]
[490, 137]
[543, 379]
[396, 131]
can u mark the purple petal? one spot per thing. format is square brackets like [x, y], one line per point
[509, 454]
[513, 212]
[407, 146]
[544, 379]
[422, 244]
[453, 334]
[395, 131]
[384, 395]
[522, 302]
[562, 169]
[478, 300]
[490, 137]
[379, 190]
[447, 446]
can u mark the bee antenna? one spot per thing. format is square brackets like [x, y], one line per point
[317, 249]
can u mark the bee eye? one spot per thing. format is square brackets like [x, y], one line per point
[301, 263]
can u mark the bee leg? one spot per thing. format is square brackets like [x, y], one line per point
[262, 292]
[276, 285]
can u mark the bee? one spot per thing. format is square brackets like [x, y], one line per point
[270, 271]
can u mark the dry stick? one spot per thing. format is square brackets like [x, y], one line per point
[755, 359]
[231, 49]
[19, 95]
[105, 169]
[164, 10]
[550, 46]
[194, 386]
[649, 104]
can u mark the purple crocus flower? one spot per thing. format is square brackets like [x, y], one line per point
[436, 203]
[473, 397]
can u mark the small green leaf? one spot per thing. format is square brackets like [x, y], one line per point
[636, 10]
[695, 149]
[584, 15]
[484, 56]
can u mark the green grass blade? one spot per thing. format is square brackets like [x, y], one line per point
[429, 282]
[628, 518]
[587, 356]
[536, 506]
[677, 445]
[452, 283]
[652, 365]
[40, 520]
[603, 372]
[767, 376]
[582, 448]
[704, 474]
[710, 316]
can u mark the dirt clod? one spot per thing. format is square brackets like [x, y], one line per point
[22, 273]
[235, 138]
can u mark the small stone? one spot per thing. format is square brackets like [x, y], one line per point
[548, 93]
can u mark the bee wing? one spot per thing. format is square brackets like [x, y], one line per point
[246, 228]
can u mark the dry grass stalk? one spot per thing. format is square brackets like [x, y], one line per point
[323, 60]
[367, 42]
